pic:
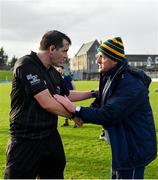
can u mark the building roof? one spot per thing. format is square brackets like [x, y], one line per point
[84, 48]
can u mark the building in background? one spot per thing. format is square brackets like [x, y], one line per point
[83, 65]
[145, 62]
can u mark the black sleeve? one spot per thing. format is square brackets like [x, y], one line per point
[64, 89]
[30, 78]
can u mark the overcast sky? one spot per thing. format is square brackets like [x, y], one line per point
[23, 22]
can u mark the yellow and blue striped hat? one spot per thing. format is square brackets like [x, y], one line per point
[113, 48]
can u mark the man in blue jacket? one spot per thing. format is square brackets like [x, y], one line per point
[124, 110]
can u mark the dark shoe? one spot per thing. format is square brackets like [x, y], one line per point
[103, 136]
[75, 125]
[64, 125]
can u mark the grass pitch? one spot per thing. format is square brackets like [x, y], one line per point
[87, 156]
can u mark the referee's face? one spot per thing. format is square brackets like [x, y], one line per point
[59, 55]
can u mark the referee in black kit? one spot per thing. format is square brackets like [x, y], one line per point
[35, 148]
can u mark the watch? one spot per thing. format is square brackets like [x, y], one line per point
[78, 108]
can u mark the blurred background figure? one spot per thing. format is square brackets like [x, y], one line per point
[67, 76]
[103, 135]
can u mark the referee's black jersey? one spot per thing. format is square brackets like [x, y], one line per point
[27, 118]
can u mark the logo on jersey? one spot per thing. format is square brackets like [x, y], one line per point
[33, 79]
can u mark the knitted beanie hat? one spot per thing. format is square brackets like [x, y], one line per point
[113, 48]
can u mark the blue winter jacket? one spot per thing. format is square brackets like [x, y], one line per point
[127, 115]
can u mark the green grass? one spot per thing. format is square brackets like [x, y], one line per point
[87, 157]
[6, 75]
[4, 122]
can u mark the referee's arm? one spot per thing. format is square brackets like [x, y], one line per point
[47, 102]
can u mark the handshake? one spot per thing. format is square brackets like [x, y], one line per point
[70, 107]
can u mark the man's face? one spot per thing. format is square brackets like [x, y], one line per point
[105, 63]
[58, 56]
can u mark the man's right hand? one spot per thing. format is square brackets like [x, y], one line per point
[64, 100]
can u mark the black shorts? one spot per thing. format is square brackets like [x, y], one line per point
[28, 159]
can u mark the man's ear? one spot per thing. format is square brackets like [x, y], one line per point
[115, 62]
[51, 48]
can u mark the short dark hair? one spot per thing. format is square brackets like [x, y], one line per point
[53, 38]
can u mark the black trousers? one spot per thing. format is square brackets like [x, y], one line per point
[30, 159]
